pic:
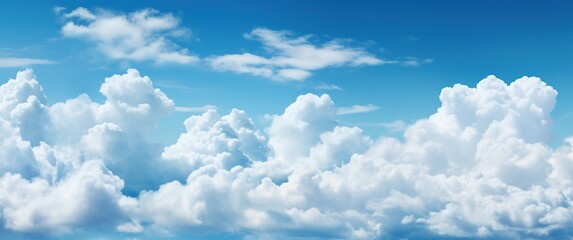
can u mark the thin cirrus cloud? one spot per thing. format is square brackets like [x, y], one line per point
[10, 62]
[292, 58]
[328, 87]
[356, 109]
[195, 109]
[415, 61]
[469, 170]
[144, 35]
[394, 126]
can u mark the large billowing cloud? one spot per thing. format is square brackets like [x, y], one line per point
[144, 35]
[292, 58]
[480, 166]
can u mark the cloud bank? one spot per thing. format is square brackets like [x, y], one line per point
[480, 166]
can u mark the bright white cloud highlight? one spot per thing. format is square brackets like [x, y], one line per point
[292, 58]
[480, 166]
[144, 35]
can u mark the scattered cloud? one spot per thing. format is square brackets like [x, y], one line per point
[174, 85]
[14, 62]
[195, 109]
[395, 126]
[356, 109]
[144, 35]
[415, 62]
[480, 166]
[292, 58]
[328, 87]
[409, 39]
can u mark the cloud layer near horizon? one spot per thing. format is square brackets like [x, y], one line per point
[479, 166]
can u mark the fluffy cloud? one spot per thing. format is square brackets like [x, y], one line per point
[224, 142]
[144, 35]
[292, 58]
[78, 200]
[480, 166]
[131, 98]
[55, 159]
[22, 103]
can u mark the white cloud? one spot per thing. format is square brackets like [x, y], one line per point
[131, 98]
[356, 109]
[480, 166]
[415, 62]
[225, 141]
[22, 104]
[292, 58]
[328, 87]
[293, 133]
[77, 200]
[81, 13]
[144, 35]
[195, 109]
[13, 62]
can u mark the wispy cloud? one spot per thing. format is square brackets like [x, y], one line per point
[145, 35]
[415, 62]
[328, 87]
[195, 109]
[174, 85]
[292, 58]
[7, 62]
[395, 126]
[409, 39]
[356, 109]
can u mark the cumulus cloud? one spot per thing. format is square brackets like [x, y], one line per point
[292, 58]
[131, 98]
[75, 201]
[11, 62]
[480, 166]
[224, 142]
[144, 35]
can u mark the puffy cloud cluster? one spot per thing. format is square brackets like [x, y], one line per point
[57, 157]
[479, 166]
[144, 35]
[223, 142]
[292, 58]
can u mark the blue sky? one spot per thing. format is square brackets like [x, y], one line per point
[383, 66]
[466, 41]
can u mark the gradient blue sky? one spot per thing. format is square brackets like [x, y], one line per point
[430, 45]
[467, 40]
